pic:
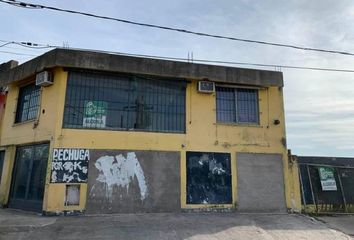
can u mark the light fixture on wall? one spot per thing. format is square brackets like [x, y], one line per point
[276, 122]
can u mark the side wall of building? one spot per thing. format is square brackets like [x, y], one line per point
[41, 129]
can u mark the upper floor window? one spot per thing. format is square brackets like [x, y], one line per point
[28, 103]
[237, 105]
[124, 102]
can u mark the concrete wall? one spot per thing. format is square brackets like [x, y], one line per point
[260, 183]
[203, 134]
[133, 181]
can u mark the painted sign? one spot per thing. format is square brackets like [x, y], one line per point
[95, 114]
[70, 165]
[328, 182]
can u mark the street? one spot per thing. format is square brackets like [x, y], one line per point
[21, 225]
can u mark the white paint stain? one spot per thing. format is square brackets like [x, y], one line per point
[54, 176]
[120, 171]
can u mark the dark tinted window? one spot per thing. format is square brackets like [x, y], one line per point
[237, 105]
[124, 102]
[28, 103]
[2, 155]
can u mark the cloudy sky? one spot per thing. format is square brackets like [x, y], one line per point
[319, 105]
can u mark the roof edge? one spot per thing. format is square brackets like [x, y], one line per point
[150, 66]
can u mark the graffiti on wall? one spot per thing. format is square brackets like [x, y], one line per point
[120, 171]
[70, 165]
[208, 178]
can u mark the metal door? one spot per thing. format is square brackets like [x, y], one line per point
[28, 178]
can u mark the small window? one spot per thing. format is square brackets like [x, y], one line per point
[28, 103]
[237, 105]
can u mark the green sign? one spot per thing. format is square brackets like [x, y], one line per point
[95, 113]
[328, 182]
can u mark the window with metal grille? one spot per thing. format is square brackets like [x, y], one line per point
[237, 105]
[124, 102]
[28, 103]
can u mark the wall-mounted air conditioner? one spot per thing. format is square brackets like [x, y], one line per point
[44, 79]
[206, 87]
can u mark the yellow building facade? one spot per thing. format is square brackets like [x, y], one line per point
[245, 166]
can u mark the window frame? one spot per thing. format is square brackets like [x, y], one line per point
[20, 103]
[132, 79]
[236, 105]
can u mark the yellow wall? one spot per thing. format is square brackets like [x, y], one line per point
[41, 129]
[202, 134]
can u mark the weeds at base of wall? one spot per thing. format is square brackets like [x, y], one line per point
[209, 209]
[63, 213]
[293, 211]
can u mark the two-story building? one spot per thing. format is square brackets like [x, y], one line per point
[104, 133]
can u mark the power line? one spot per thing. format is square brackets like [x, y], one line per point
[29, 50]
[220, 62]
[20, 54]
[194, 60]
[186, 31]
[3, 45]
[26, 44]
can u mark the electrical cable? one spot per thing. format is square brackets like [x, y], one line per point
[5, 44]
[186, 31]
[188, 60]
[27, 45]
[218, 61]
[20, 54]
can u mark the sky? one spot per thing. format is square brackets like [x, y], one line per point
[319, 106]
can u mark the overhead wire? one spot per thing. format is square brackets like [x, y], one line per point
[5, 44]
[27, 44]
[276, 66]
[186, 31]
[20, 54]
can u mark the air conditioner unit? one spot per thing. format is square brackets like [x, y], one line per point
[206, 87]
[44, 79]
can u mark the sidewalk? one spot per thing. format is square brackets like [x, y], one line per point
[344, 223]
[21, 221]
[193, 226]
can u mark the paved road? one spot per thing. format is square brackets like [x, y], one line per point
[194, 226]
[344, 223]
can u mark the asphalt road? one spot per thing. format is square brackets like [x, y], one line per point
[19, 225]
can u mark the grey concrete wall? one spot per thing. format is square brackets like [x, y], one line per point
[260, 183]
[133, 181]
[119, 63]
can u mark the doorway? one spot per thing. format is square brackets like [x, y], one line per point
[28, 178]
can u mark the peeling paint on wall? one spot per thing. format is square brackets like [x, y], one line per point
[208, 178]
[120, 171]
[133, 181]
